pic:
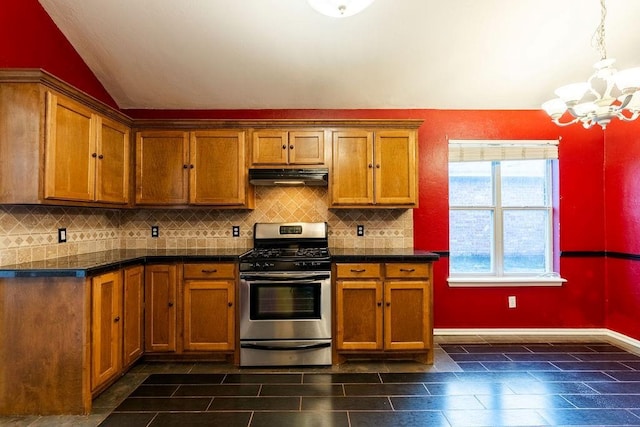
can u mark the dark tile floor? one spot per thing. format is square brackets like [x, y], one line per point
[478, 383]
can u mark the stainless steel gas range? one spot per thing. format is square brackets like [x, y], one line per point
[285, 296]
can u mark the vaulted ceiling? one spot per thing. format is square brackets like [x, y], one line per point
[259, 54]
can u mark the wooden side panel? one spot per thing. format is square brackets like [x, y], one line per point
[70, 155]
[359, 315]
[352, 172]
[44, 346]
[395, 168]
[133, 315]
[112, 166]
[21, 106]
[162, 168]
[219, 175]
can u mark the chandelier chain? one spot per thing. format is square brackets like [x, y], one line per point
[599, 35]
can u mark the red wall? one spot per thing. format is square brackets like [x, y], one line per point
[622, 222]
[30, 39]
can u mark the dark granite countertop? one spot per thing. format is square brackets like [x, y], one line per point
[98, 262]
[90, 264]
[382, 255]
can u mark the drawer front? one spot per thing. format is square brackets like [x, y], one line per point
[210, 271]
[358, 271]
[406, 270]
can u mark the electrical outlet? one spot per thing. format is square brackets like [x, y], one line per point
[62, 235]
[155, 230]
[235, 230]
[360, 230]
[512, 301]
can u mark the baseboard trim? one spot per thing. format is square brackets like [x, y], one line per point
[593, 332]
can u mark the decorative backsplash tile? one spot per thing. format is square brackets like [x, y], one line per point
[29, 233]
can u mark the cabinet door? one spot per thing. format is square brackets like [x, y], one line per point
[70, 150]
[106, 332]
[162, 168]
[219, 173]
[306, 147]
[209, 313]
[112, 166]
[395, 168]
[270, 147]
[160, 314]
[359, 315]
[352, 174]
[133, 315]
[407, 324]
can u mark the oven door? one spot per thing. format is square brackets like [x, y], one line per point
[287, 305]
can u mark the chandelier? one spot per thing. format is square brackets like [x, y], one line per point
[606, 95]
[339, 8]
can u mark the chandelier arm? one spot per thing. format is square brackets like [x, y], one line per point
[620, 115]
[561, 124]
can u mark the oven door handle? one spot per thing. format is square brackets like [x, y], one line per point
[287, 278]
[285, 348]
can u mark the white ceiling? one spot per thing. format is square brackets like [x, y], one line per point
[260, 54]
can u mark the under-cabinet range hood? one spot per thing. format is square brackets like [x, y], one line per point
[289, 177]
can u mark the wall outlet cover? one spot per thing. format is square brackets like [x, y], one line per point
[360, 230]
[155, 230]
[62, 235]
[235, 230]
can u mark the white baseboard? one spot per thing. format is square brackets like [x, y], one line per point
[567, 332]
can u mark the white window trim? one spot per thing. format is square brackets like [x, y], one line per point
[503, 281]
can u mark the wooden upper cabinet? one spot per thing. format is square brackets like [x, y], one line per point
[352, 173]
[162, 167]
[70, 150]
[281, 147]
[374, 168]
[219, 174]
[86, 155]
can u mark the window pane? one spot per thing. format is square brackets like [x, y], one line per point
[470, 184]
[524, 182]
[471, 241]
[525, 241]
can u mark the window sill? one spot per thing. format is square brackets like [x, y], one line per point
[491, 282]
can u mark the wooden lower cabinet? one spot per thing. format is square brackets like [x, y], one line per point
[160, 288]
[383, 309]
[106, 328]
[133, 315]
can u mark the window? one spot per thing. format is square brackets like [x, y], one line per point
[501, 212]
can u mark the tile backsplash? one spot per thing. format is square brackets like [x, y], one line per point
[30, 233]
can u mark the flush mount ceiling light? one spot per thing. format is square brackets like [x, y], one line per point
[339, 8]
[606, 95]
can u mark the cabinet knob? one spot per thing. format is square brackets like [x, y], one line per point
[94, 155]
[370, 166]
[291, 147]
[101, 157]
[230, 304]
[379, 304]
[191, 166]
[284, 147]
[377, 166]
[388, 304]
[117, 319]
[185, 166]
[170, 304]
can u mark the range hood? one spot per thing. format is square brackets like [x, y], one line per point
[289, 177]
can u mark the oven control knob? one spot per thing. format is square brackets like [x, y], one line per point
[257, 266]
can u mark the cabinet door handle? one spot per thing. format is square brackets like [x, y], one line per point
[284, 147]
[185, 166]
[388, 304]
[361, 270]
[377, 166]
[209, 271]
[94, 155]
[170, 304]
[291, 147]
[191, 166]
[101, 157]
[117, 319]
[230, 304]
[379, 304]
[408, 270]
[370, 166]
